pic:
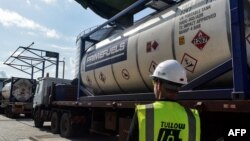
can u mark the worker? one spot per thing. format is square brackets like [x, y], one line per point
[166, 119]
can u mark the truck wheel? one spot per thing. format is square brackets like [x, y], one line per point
[6, 111]
[9, 113]
[38, 119]
[55, 123]
[65, 126]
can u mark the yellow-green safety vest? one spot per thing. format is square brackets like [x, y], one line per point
[168, 121]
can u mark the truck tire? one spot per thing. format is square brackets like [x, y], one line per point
[38, 121]
[6, 111]
[9, 113]
[55, 123]
[66, 128]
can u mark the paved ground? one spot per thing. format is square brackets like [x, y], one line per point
[22, 129]
[17, 129]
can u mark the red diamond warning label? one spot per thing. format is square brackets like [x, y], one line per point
[248, 38]
[189, 62]
[152, 46]
[200, 39]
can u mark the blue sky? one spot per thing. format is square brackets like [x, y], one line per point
[52, 25]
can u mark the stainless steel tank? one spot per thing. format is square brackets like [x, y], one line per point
[195, 32]
[21, 90]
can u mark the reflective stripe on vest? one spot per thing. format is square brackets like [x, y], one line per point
[192, 125]
[147, 121]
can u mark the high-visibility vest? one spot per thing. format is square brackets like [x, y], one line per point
[167, 121]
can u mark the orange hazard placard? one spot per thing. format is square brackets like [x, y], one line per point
[181, 40]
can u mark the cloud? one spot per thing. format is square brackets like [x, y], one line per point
[63, 48]
[70, 1]
[1, 64]
[73, 62]
[28, 2]
[49, 1]
[31, 33]
[52, 33]
[3, 74]
[10, 18]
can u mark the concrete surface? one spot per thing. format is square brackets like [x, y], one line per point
[22, 129]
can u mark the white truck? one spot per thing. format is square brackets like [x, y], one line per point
[47, 91]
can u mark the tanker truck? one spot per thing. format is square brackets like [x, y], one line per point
[210, 38]
[17, 96]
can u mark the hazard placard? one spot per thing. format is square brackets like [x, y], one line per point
[152, 46]
[189, 62]
[102, 77]
[125, 74]
[88, 80]
[152, 67]
[181, 40]
[200, 39]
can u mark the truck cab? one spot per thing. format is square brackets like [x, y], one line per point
[44, 88]
[43, 98]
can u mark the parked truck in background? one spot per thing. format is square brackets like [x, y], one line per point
[1, 83]
[17, 96]
[1, 87]
[210, 38]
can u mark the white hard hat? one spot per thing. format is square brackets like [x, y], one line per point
[171, 70]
